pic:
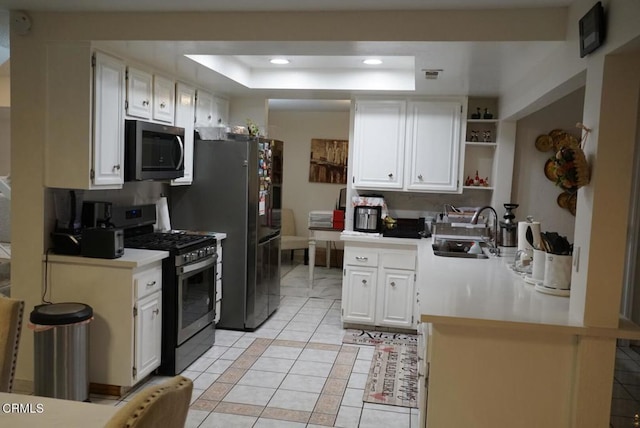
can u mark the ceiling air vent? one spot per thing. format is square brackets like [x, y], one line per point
[432, 73]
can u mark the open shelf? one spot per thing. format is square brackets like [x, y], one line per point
[477, 187]
[482, 120]
[481, 144]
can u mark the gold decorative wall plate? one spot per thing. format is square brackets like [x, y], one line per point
[544, 143]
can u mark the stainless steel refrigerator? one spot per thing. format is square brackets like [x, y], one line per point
[236, 189]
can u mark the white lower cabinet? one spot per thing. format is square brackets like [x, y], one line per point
[148, 325]
[395, 305]
[359, 296]
[126, 297]
[379, 285]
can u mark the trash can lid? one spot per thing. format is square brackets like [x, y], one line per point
[61, 313]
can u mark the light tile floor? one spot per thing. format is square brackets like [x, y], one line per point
[293, 371]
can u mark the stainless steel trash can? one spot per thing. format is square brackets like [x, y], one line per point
[61, 350]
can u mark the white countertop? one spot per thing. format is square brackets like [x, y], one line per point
[376, 238]
[487, 292]
[132, 258]
[484, 289]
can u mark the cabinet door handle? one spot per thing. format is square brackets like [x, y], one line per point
[209, 117]
[116, 167]
[364, 281]
[393, 284]
[151, 283]
[390, 175]
[145, 103]
[362, 259]
[156, 311]
[420, 177]
[162, 105]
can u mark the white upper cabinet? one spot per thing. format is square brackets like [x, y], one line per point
[163, 99]
[204, 109]
[139, 93]
[84, 118]
[379, 135]
[185, 113]
[108, 129]
[433, 152]
[150, 97]
[210, 110]
[407, 145]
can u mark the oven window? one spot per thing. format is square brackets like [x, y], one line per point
[197, 298]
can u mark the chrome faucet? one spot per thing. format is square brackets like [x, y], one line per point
[493, 246]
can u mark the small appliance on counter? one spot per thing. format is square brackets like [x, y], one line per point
[102, 242]
[367, 219]
[66, 243]
[96, 214]
[412, 228]
[508, 227]
[368, 213]
[67, 235]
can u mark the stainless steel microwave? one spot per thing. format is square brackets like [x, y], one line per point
[153, 151]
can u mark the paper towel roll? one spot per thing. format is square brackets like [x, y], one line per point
[163, 222]
[523, 244]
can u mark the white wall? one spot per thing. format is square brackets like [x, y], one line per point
[531, 189]
[296, 129]
[254, 109]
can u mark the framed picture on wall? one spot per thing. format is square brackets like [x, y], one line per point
[328, 163]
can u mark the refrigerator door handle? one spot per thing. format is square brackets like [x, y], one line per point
[181, 152]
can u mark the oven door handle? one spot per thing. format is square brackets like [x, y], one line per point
[197, 266]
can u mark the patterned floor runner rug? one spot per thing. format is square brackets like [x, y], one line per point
[369, 337]
[393, 376]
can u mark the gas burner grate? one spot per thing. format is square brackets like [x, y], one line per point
[163, 241]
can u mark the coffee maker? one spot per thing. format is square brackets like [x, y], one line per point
[509, 228]
[96, 214]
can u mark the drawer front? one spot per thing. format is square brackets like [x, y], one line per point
[148, 281]
[359, 257]
[399, 260]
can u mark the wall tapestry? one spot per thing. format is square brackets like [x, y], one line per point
[328, 161]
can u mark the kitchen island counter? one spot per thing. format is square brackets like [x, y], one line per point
[484, 290]
[486, 329]
[487, 292]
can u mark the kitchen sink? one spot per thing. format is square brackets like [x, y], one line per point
[457, 248]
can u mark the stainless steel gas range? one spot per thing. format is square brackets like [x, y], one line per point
[188, 285]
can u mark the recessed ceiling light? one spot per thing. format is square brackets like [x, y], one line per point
[372, 61]
[279, 61]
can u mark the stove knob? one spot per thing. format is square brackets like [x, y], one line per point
[211, 250]
[194, 256]
[186, 258]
